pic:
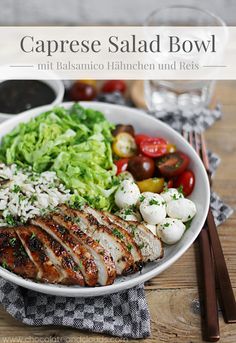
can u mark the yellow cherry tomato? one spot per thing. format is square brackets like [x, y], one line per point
[124, 145]
[154, 185]
[171, 148]
[89, 82]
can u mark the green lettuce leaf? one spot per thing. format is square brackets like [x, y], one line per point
[75, 143]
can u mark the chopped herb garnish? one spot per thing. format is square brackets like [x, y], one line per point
[12, 241]
[180, 189]
[128, 211]
[16, 189]
[142, 197]
[175, 197]
[4, 264]
[75, 268]
[32, 236]
[141, 246]
[10, 220]
[133, 229]
[117, 233]
[154, 202]
[166, 225]
[33, 198]
[129, 247]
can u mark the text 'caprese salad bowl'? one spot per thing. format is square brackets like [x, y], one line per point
[95, 198]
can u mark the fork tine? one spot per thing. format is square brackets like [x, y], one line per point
[191, 140]
[197, 143]
[204, 152]
[185, 134]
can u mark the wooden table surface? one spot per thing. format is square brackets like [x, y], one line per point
[173, 296]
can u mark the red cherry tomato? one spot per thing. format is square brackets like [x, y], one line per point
[153, 147]
[121, 165]
[170, 183]
[140, 137]
[187, 181]
[82, 91]
[173, 164]
[114, 85]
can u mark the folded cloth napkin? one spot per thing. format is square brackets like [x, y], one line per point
[123, 314]
[198, 120]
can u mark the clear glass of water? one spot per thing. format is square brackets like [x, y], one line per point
[186, 95]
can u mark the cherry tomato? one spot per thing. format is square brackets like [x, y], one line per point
[89, 82]
[170, 183]
[140, 137]
[187, 181]
[123, 128]
[81, 91]
[121, 165]
[154, 185]
[124, 145]
[114, 85]
[153, 147]
[174, 164]
[141, 167]
[171, 148]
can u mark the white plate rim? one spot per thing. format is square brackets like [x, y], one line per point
[141, 278]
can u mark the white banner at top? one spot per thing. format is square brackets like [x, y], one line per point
[149, 53]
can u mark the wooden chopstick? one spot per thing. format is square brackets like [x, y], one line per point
[211, 319]
[226, 291]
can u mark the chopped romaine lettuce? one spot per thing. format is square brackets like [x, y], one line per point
[76, 143]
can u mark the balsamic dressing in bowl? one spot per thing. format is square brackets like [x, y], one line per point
[20, 95]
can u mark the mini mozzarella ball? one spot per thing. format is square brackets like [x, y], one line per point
[129, 214]
[153, 209]
[170, 230]
[150, 227]
[183, 209]
[171, 194]
[127, 194]
[126, 176]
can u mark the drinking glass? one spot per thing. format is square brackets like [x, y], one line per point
[186, 95]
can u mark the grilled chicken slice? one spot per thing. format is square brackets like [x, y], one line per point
[36, 252]
[123, 259]
[124, 235]
[103, 259]
[74, 247]
[13, 255]
[61, 259]
[150, 245]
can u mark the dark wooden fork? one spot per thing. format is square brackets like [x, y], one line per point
[209, 233]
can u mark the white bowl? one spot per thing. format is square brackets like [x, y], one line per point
[201, 197]
[58, 88]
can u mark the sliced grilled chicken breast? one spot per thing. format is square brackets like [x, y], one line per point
[13, 255]
[150, 245]
[124, 235]
[75, 248]
[123, 259]
[60, 258]
[36, 252]
[103, 259]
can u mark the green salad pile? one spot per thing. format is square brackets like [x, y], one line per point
[75, 143]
